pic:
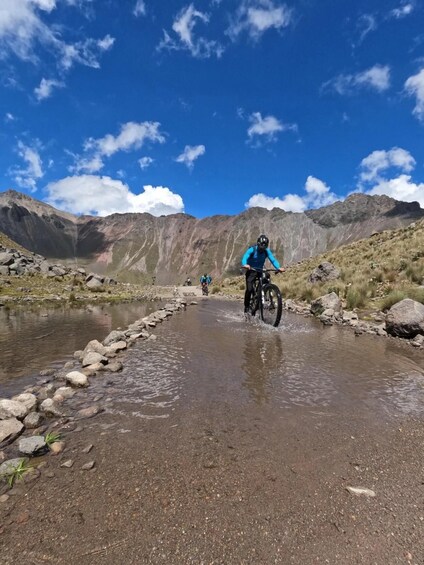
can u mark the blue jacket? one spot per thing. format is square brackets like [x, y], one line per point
[256, 259]
[207, 279]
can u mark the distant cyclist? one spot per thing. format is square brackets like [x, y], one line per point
[255, 258]
[205, 281]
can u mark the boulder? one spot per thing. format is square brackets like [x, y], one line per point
[95, 346]
[32, 445]
[10, 429]
[76, 379]
[94, 284]
[91, 358]
[405, 319]
[28, 399]
[324, 272]
[9, 467]
[33, 420]
[12, 409]
[327, 302]
[113, 337]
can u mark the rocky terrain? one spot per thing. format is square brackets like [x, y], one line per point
[144, 248]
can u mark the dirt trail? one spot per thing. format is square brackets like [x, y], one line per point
[218, 446]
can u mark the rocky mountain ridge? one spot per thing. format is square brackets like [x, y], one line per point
[142, 247]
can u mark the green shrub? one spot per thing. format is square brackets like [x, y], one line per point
[214, 289]
[356, 297]
[393, 298]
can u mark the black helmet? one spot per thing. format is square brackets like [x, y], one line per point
[263, 242]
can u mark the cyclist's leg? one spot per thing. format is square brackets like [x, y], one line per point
[250, 279]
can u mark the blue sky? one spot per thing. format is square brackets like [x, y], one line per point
[211, 106]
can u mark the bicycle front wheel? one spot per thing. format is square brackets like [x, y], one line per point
[272, 305]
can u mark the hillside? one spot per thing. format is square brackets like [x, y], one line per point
[140, 247]
[376, 272]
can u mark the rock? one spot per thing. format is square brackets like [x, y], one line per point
[12, 409]
[77, 379]
[93, 369]
[94, 284]
[405, 319]
[118, 346]
[361, 491]
[114, 367]
[32, 445]
[324, 272]
[79, 355]
[65, 392]
[50, 408]
[88, 466]
[29, 400]
[33, 420]
[47, 372]
[326, 302]
[67, 464]
[152, 338]
[89, 412]
[4, 498]
[95, 346]
[10, 429]
[87, 448]
[91, 358]
[114, 337]
[57, 447]
[418, 341]
[9, 467]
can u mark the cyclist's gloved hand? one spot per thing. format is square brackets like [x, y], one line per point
[246, 267]
[281, 269]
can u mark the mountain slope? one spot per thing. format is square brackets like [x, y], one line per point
[141, 246]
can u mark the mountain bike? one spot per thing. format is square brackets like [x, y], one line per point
[205, 289]
[266, 298]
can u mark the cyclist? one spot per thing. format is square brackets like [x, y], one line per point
[254, 258]
[205, 279]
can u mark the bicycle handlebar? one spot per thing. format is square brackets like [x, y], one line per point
[263, 270]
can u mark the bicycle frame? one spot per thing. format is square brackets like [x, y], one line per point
[263, 278]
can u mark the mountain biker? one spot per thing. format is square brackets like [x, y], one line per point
[205, 279]
[254, 258]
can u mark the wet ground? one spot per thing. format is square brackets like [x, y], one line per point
[226, 442]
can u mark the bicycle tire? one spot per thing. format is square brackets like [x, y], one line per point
[272, 306]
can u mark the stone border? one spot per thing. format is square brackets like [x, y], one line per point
[39, 408]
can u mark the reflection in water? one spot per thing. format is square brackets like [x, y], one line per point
[263, 355]
[30, 340]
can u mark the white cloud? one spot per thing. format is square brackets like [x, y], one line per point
[9, 117]
[27, 177]
[267, 127]
[255, 17]
[401, 188]
[140, 8]
[405, 9]
[414, 86]
[132, 136]
[46, 88]
[145, 162]
[23, 31]
[190, 154]
[375, 78]
[366, 24]
[185, 39]
[375, 169]
[317, 194]
[290, 202]
[380, 161]
[88, 194]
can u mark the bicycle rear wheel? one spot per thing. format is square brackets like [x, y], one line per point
[272, 305]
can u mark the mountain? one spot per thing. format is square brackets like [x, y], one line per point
[140, 246]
